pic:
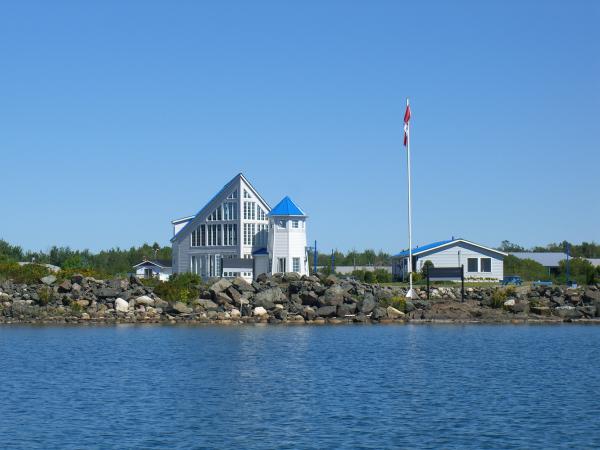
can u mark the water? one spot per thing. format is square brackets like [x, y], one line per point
[300, 387]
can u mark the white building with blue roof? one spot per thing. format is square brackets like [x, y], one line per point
[238, 234]
[480, 262]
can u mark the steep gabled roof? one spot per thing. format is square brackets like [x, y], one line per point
[225, 188]
[162, 263]
[286, 207]
[434, 245]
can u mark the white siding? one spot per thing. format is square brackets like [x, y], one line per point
[288, 243]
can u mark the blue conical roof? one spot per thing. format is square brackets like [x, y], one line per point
[286, 207]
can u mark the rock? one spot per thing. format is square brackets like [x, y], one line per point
[121, 305]
[509, 303]
[220, 286]
[368, 304]
[409, 306]
[331, 280]
[333, 296]
[540, 310]
[346, 309]
[234, 294]
[180, 308]
[327, 311]
[309, 298]
[393, 313]
[235, 313]
[83, 303]
[208, 305]
[49, 279]
[567, 312]
[144, 300]
[291, 276]
[106, 292]
[309, 313]
[242, 285]
[77, 278]
[65, 286]
[268, 297]
[280, 314]
[259, 311]
[221, 298]
[378, 313]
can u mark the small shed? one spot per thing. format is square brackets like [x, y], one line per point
[480, 263]
[160, 269]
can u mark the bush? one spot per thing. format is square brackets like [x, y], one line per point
[395, 302]
[29, 273]
[498, 298]
[45, 295]
[66, 274]
[180, 288]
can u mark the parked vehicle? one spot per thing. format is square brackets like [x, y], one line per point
[542, 283]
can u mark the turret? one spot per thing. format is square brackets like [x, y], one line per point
[287, 238]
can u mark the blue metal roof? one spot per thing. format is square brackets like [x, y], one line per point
[426, 247]
[286, 207]
[260, 251]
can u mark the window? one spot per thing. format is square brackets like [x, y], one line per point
[198, 238]
[214, 235]
[148, 273]
[215, 215]
[249, 232]
[296, 264]
[246, 194]
[486, 264]
[262, 234]
[281, 223]
[194, 264]
[249, 210]
[295, 224]
[233, 195]
[230, 211]
[230, 234]
[281, 265]
[260, 214]
[472, 265]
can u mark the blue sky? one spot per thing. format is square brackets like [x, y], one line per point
[116, 117]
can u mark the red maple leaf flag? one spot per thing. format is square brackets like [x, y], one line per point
[406, 119]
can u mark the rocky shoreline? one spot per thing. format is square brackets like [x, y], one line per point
[288, 299]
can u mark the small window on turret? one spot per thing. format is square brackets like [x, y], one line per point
[295, 224]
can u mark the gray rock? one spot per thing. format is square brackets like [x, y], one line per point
[368, 304]
[49, 279]
[260, 311]
[179, 308]
[220, 286]
[393, 313]
[309, 298]
[242, 285]
[346, 309]
[106, 292]
[144, 300]
[333, 296]
[65, 286]
[327, 311]
[208, 305]
[309, 313]
[268, 297]
[379, 313]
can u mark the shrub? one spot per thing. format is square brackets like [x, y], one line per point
[45, 295]
[66, 274]
[395, 302]
[382, 276]
[498, 298]
[426, 265]
[29, 273]
[180, 287]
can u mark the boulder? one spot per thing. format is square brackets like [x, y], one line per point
[208, 305]
[106, 292]
[333, 296]
[179, 308]
[567, 312]
[346, 309]
[220, 286]
[144, 300]
[393, 313]
[368, 304]
[327, 311]
[291, 276]
[540, 310]
[379, 313]
[121, 305]
[234, 294]
[309, 313]
[49, 279]
[77, 278]
[85, 303]
[235, 313]
[309, 298]
[221, 298]
[242, 285]
[268, 297]
[331, 280]
[259, 311]
[65, 286]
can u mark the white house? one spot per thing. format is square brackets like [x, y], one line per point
[232, 235]
[480, 262]
[153, 269]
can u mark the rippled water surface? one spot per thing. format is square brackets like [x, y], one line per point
[300, 387]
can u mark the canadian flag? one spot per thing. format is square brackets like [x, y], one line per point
[406, 119]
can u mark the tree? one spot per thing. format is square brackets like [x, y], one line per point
[425, 269]
[507, 246]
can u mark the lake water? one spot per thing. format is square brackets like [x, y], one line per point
[426, 386]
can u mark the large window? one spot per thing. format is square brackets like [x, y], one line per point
[247, 194]
[215, 215]
[472, 265]
[486, 264]
[194, 265]
[260, 214]
[249, 232]
[230, 234]
[249, 210]
[230, 211]
[233, 195]
[198, 237]
[296, 264]
[214, 235]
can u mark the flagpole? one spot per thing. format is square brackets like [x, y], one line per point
[411, 292]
